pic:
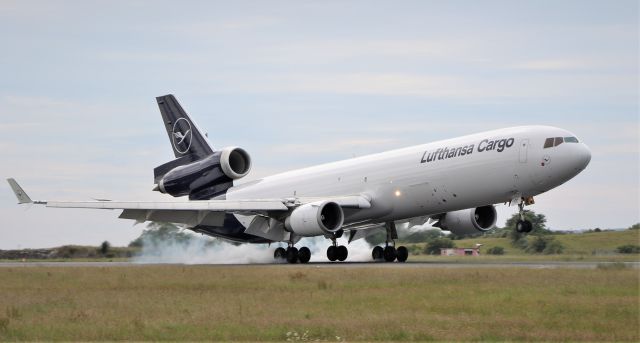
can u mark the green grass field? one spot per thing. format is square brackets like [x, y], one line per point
[596, 246]
[273, 303]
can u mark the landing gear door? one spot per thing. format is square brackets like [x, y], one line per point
[524, 146]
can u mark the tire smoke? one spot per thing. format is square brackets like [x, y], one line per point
[197, 249]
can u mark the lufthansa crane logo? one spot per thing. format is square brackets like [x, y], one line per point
[182, 135]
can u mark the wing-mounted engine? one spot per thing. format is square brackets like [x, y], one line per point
[204, 178]
[469, 221]
[316, 218]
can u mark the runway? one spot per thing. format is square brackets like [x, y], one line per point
[426, 265]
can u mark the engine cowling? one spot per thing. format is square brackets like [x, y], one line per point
[316, 218]
[235, 162]
[208, 177]
[470, 221]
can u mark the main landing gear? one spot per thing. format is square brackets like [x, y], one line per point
[390, 253]
[337, 252]
[292, 254]
[523, 225]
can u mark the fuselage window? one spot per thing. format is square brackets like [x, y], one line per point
[558, 141]
[571, 140]
[548, 143]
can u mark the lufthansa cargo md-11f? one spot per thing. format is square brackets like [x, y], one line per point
[452, 184]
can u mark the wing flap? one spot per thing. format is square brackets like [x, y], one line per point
[191, 218]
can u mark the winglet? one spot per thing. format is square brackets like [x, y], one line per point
[22, 196]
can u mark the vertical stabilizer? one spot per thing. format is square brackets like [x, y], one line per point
[22, 196]
[185, 136]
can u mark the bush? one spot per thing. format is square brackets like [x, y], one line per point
[553, 247]
[422, 236]
[104, 247]
[434, 246]
[544, 244]
[635, 226]
[158, 233]
[538, 221]
[629, 249]
[497, 250]
[376, 238]
[414, 249]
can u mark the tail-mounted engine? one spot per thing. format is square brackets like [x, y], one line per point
[316, 218]
[469, 221]
[204, 178]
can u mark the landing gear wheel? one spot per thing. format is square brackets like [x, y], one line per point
[304, 255]
[389, 253]
[527, 226]
[332, 253]
[402, 254]
[377, 253]
[524, 226]
[292, 255]
[520, 226]
[280, 254]
[343, 252]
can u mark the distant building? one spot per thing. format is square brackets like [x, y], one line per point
[461, 251]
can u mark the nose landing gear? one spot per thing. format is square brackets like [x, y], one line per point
[523, 225]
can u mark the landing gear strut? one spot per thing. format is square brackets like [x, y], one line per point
[390, 253]
[523, 225]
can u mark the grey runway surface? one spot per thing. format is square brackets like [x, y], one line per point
[432, 265]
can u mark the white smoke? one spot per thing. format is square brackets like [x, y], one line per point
[203, 250]
[199, 249]
[359, 250]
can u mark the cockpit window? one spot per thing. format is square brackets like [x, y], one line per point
[571, 140]
[555, 141]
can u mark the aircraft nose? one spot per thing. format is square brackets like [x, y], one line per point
[583, 157]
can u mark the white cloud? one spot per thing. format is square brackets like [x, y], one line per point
[554, 65]
[325, 146]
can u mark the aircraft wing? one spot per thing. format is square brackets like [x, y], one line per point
[196, 205]
[192, 213]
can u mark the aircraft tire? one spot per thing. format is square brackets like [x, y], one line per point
[292, 255]
[343, 252]
[332, 253]
[402, 254]
[304, 255]
[520, 226]
[528, 227]
[377, 253]
[280, 254]
[389, 253]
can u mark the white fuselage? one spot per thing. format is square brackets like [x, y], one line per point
[427, 179]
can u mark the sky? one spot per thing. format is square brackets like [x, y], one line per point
[298, 83]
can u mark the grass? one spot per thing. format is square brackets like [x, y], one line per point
[594, 246]
[280, 302]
